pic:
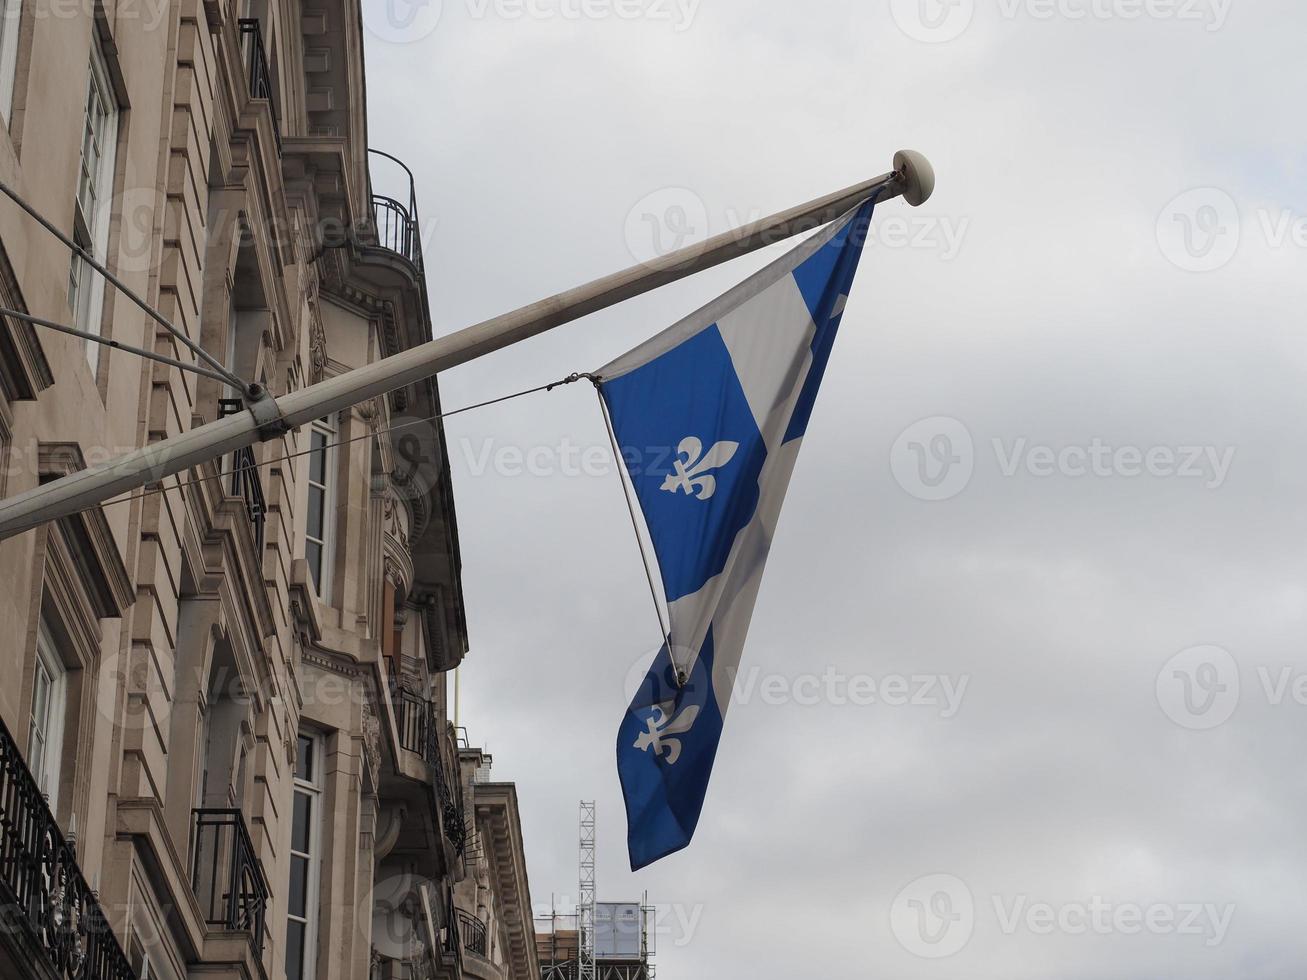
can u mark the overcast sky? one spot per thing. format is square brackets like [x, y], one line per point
[1043, 564]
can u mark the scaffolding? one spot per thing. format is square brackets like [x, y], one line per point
[600, 940]
[585, 894]
[619, 954]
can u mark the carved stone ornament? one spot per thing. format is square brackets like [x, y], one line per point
[372, 741]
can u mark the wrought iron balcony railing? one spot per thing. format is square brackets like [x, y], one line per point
[451, 809]
[419, 731]
[227, 875]
[260, 78]
[42, 888]
[413, 716]
[473, 931]
[451, 943]
[395, 221]
[243, 478]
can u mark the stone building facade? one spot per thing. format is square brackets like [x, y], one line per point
[226, 750]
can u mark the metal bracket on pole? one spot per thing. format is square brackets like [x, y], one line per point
[267, 413]
[912, 179]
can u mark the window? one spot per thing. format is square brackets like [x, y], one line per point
[305, 861]
[92, 204]
[11, 15]
[148, 964]
[317, 547]
[45, 734]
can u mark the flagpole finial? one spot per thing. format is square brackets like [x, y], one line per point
[918, 176]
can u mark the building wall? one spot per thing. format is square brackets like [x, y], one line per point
[195, 647]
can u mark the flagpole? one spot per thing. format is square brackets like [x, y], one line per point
[912, 179]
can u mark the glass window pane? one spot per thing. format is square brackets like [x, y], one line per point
[318, 461]
[305, 763]
[313, 552]
[314, 522]
[41, 697]
[36, 758]
[294, 950]
[299, 885]
[299, 834]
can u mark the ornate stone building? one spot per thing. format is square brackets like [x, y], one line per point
[225, 749]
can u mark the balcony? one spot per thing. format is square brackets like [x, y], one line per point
[42, 889]
[242, 476]
[473, 932]
[419, 732]
[395, 225]
[227, 875]
[451, 944]
[259, 77]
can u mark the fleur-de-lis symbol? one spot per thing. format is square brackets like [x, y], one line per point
[692, 471]
[660, 728]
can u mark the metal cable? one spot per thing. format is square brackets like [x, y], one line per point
[161, 488]
[635, 526]
[154, 314]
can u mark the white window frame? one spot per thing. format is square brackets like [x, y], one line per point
[48, 731]
[11, 19]
[326, 428]
[143, 959]
[313, 789]
[91, 231]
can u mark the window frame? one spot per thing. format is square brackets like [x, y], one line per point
[91, 231]
[11, 21]
[322, 574]
[50, 729]
[313, 787]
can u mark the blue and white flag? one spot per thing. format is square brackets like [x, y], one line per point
[723, 399]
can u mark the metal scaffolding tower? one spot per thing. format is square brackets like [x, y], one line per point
[585, 895]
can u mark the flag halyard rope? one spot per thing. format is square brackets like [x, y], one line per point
[663, 629]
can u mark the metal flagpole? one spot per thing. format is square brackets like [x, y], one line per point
[913, 179]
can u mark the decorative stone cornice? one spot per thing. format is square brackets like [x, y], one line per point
[332, 664]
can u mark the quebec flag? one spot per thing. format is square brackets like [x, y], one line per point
[709, 416]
